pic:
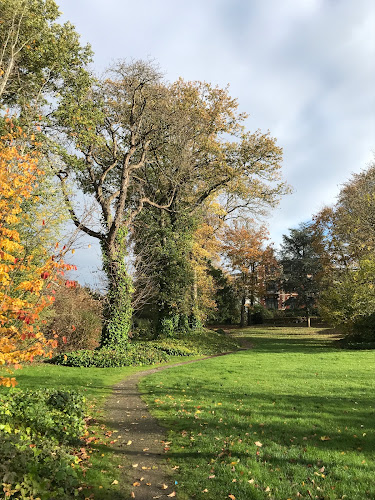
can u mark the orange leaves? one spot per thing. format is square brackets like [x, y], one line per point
[22, 281]
[8, 382]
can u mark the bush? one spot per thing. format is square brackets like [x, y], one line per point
[76, 316]
[167, 327]
[134, 355]
[183, 323]
[143, 328]
[50, 413]
[138, 353]
[361, 334]
[36, 428]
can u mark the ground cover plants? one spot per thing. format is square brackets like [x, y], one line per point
[139, 353]
[291, 418]
[39, 431]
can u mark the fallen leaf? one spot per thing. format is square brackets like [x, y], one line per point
[258, 443]
[325, 438]
[267, 489]
[205, 490]
[212, 476]
[135, 465]
[136, 483]
[173, 494]
[115, 482]
[232, 497]
[132, 494]
[129, 443]
[164, 486]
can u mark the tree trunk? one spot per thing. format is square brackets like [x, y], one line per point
[117, 314]
[249, 316]
[243, 312]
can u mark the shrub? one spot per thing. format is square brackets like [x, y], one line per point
[143, 328]
[183, 323]
[167, 327]
[76, 317]
[138, 353]
[37, 429]
[134, 355]
[50, 413]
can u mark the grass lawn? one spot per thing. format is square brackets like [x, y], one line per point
[291, 418]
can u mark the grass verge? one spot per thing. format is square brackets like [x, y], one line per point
[291, 418]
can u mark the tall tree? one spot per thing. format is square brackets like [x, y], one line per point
[145, 144]
[38, 56]
[301, 266]
[250, 261]
[347, 242]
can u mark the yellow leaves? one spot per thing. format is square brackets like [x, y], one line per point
[30, 286]
[325, 438]
[258, 443]
[21, 286]
[8, 381]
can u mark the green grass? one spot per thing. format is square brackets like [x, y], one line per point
[291, 418]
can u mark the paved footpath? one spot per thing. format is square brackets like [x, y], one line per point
[140, 438]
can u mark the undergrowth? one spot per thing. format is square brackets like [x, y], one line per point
[39, 434]
[142, 352]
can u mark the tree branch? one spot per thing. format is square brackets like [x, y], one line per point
[62, 177]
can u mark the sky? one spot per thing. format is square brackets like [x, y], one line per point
[302, 69]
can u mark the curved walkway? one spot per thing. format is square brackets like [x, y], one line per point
[140, 438]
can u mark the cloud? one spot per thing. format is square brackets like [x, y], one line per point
[302, 69]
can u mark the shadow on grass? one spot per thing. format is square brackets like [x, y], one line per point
[274, 341]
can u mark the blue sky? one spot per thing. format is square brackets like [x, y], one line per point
[303, 69]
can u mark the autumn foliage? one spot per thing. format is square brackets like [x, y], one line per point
[24, 280]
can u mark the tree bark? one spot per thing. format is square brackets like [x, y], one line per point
[117, 314]
[243, 311]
